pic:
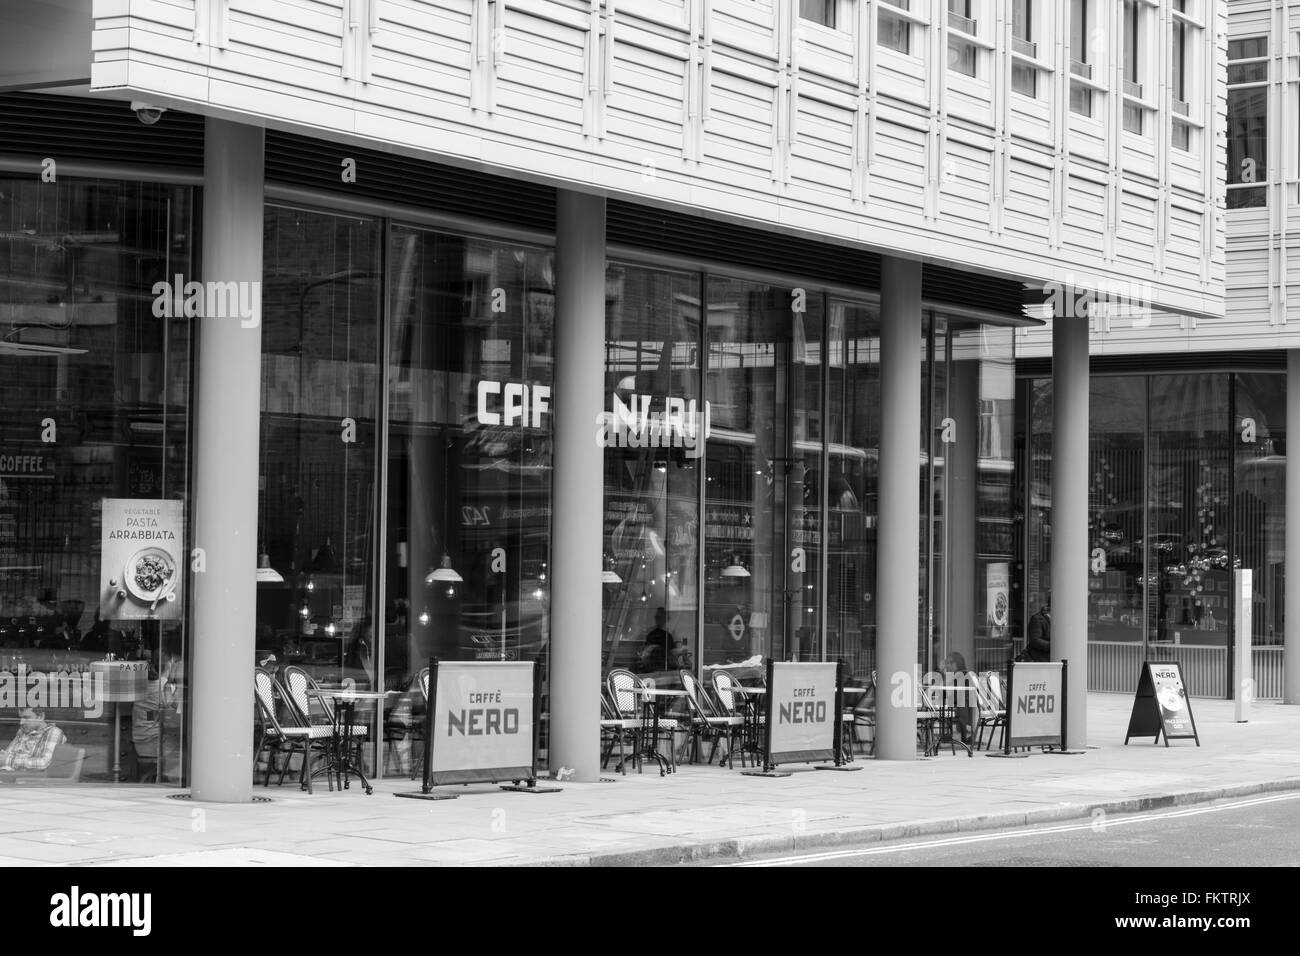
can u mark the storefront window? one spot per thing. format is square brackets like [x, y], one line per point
[1117, 586]
[1259, 511]
[969, 543]
[94, 380]
[320, 391]
[1187, 522]
[469, 460]
[853, 440]
[654, 437]
[762, 535]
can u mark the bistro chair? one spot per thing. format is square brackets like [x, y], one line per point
[864, 717]
[992, 712]
[288, 737]
[724, 692]
[623, 686]
[705, 719]
[301, 688]
[420, 685]
[617, 729]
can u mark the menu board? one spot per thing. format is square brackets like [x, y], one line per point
[1161, 705]
[141, 569]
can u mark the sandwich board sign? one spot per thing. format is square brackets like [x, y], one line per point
[481, 725]
[1161, 705]
[1035, 705]
[803, 719]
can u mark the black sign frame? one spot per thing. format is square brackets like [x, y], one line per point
[433, 779]
[1147, 719]
[1008, 739]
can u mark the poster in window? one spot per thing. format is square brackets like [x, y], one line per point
[999, 601]
[141, 559]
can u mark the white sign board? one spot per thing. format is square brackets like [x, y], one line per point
[1035, 704]
[482, 722]
[801, 722]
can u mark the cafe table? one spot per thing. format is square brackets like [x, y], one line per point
[341, 760]
[650, 697]
[944, 713]
[119, 682]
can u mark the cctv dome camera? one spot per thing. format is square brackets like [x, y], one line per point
[147, 113]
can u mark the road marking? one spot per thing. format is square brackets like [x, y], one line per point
[1149, 817]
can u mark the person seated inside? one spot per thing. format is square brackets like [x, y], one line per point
[33, 746]
[654, 652]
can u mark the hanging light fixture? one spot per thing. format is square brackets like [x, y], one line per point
[445, 574]
[265, 573]
[735, 569]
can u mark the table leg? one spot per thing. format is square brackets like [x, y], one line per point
[117, 742]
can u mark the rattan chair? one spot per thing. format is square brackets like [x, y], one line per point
[623, 686]
[287, 737]
[707, 720]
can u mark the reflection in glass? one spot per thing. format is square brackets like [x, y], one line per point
[762, 481]
[320, 388]
[654, 439]
[95, 385]
[469, 461]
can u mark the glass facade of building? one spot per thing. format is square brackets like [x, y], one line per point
[406, 459]
[1186, 487]
[94, 471]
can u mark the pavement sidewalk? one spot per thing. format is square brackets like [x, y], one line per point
[701, 812]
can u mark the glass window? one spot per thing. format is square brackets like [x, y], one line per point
[469, 460]
[1080, 95]
[1247, 122]
[320, 397]
[1024, 78]
[893, 31]
[1132, 113]
[1116, 516]
[853, 443]
[95, 383]
[963, 56]
[654, 438]
[762, 534]
[1259, 516]
[1181, 132]
[1187, 520]
[818, 11]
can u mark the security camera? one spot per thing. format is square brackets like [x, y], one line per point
[147, 113]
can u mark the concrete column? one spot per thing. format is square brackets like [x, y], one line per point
[1291, 609]
[579, 484]
[961, 460]
[1070, 516]
[225, 472]
[898, 545]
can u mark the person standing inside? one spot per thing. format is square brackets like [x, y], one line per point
[1038, 640]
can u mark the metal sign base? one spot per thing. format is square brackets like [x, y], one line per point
[428, 796]
[765, 773]
[1001, 754]
[831, 766]
[1068, 753]
[521, 788]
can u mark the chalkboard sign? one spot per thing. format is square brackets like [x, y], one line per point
[1161, 705]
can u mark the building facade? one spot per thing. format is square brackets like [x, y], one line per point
[355, 334]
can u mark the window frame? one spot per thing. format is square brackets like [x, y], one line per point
[1257, 84]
